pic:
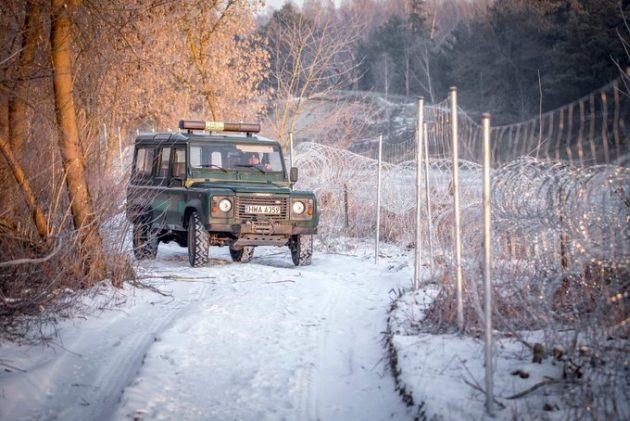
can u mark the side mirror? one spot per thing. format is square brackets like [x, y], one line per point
[293, 174]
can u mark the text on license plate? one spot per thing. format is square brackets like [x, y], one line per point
[266, 209]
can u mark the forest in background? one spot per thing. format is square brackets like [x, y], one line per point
[78, 78]
[505, 57]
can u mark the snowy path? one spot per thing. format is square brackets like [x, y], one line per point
[263, 340]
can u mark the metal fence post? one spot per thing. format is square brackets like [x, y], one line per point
[378, 197]
[487, 261]
[291, 149]
[345, 205]
[425, 142]
[457, 228]
[419, 125]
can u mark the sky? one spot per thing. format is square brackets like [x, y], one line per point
[277, 4]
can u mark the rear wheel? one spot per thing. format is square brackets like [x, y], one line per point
[145, 241]
[198, 241]
[243, 255]
[301, 247]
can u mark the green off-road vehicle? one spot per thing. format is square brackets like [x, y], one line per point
[201, 187]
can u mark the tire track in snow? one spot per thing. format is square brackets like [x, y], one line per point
[264, 341]
[308, 408]
[87, 380]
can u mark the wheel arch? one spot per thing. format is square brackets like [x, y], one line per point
[194, 206]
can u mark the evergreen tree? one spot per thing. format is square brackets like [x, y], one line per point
[397, 55]
[565, 48]
[588, 48]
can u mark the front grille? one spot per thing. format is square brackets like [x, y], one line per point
[242, 201]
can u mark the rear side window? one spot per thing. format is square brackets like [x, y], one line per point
[144, 162]
[164, 158]
[179, 162]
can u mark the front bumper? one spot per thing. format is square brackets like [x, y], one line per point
[261, 228]
[261, 233]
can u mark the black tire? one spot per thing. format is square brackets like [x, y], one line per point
[243, 255]
[301, 247]
[198, 241]
[145, 241]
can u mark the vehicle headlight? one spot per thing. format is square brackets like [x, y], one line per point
[298, 207]
[225, 205]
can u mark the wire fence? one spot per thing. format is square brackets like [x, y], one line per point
[565, 173]
[560, 202]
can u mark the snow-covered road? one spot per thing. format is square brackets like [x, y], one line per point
[263, 340]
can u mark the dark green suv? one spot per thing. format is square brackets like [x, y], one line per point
[203, 188]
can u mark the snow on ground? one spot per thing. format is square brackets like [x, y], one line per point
[263, 340]
[445, 374]
[267, 341]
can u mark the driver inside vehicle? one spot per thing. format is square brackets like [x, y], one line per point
[254, 160]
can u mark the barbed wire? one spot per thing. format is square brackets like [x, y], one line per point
[526, 192]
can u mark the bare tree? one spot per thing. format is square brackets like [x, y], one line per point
[310, 58]
[18, 122]
[223, 60]
[29, 196]
[69, 143]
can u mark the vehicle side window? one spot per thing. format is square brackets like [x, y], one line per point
[179, 162]
[144, 164]
[195, 156]
[216, 159]
[164, 161]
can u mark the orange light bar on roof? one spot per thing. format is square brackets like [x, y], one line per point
[219, 126]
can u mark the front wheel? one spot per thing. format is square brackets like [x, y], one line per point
[301, 247]
[145, 242]
[198, 241]
[243, 255]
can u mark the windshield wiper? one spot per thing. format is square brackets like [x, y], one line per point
[213, 166]
[251, 166]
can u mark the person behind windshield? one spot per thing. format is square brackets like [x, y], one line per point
[254, 161]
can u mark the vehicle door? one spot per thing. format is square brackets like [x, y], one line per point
[162, 200]
[176, 188]
[140, 187]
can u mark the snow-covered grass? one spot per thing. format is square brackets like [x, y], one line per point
[443, 374]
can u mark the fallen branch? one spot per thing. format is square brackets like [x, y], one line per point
[479, 388]
[11, 367]
[534, 387]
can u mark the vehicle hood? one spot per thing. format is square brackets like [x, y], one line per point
[244, 187]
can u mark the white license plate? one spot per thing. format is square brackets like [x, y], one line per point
[268, 210]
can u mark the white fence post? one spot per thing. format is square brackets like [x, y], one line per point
[291, 149]
[487, 261]
[425, 141]
[457, 228]
[378, 197]
[419, 126]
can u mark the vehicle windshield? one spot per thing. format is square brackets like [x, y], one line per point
[225, 157]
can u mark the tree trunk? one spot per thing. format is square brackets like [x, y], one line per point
[4, 115]
[18, 125]
[31, 201]
[4, 133]
[81, 203]
[214, 107]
